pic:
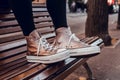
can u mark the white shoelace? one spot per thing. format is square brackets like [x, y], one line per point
[70, 39]
[73, 36]
[43, 44]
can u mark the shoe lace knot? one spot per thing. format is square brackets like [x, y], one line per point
[43, 43]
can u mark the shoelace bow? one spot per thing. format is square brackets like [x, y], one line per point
[44, 44]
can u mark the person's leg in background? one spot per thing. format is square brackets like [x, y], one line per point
[64, 38]
[38, 49]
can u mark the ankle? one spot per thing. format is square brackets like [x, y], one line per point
[62, 30]
[33, 36]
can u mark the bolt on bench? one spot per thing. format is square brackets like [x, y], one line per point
[13, 64]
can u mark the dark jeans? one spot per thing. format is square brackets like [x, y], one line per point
[23, 13]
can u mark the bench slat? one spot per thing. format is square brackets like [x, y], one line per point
[11, 64]
[13, 44]
[17, 28]
[15, 51]
[14, 22]
[28, 71]
[12, 17]
[12, 68]
[19, 35]
[22, 68]
[10, 59]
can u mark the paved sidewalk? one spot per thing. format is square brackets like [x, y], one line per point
[105, 66]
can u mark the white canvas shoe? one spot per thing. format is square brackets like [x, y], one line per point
[77, 48]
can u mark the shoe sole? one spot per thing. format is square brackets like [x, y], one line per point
[49, 59]
[84, 51]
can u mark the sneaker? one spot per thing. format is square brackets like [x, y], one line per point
[39, 50]
[77, 48]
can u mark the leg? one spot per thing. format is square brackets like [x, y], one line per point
[38, 48]
[4, 7]
[57, 10]
[64, 38]
[23, 12]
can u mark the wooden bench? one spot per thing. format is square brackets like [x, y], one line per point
[13, 64]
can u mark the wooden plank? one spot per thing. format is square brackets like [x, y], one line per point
[11, 45]
[3, 72]
[21, 69]
[12, 17]
[14, 22]
[27, 71]
[38, 5]
[11, 36]
[98, 42]
[11, 64]
[92, 40]
[39, 10]
[7, 30]
[19, 35]
[13, 58]
[12, 52]
[87, 39]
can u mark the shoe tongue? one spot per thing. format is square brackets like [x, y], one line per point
[63, 37]
[35, 35]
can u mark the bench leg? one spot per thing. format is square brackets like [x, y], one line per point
[89, 72]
